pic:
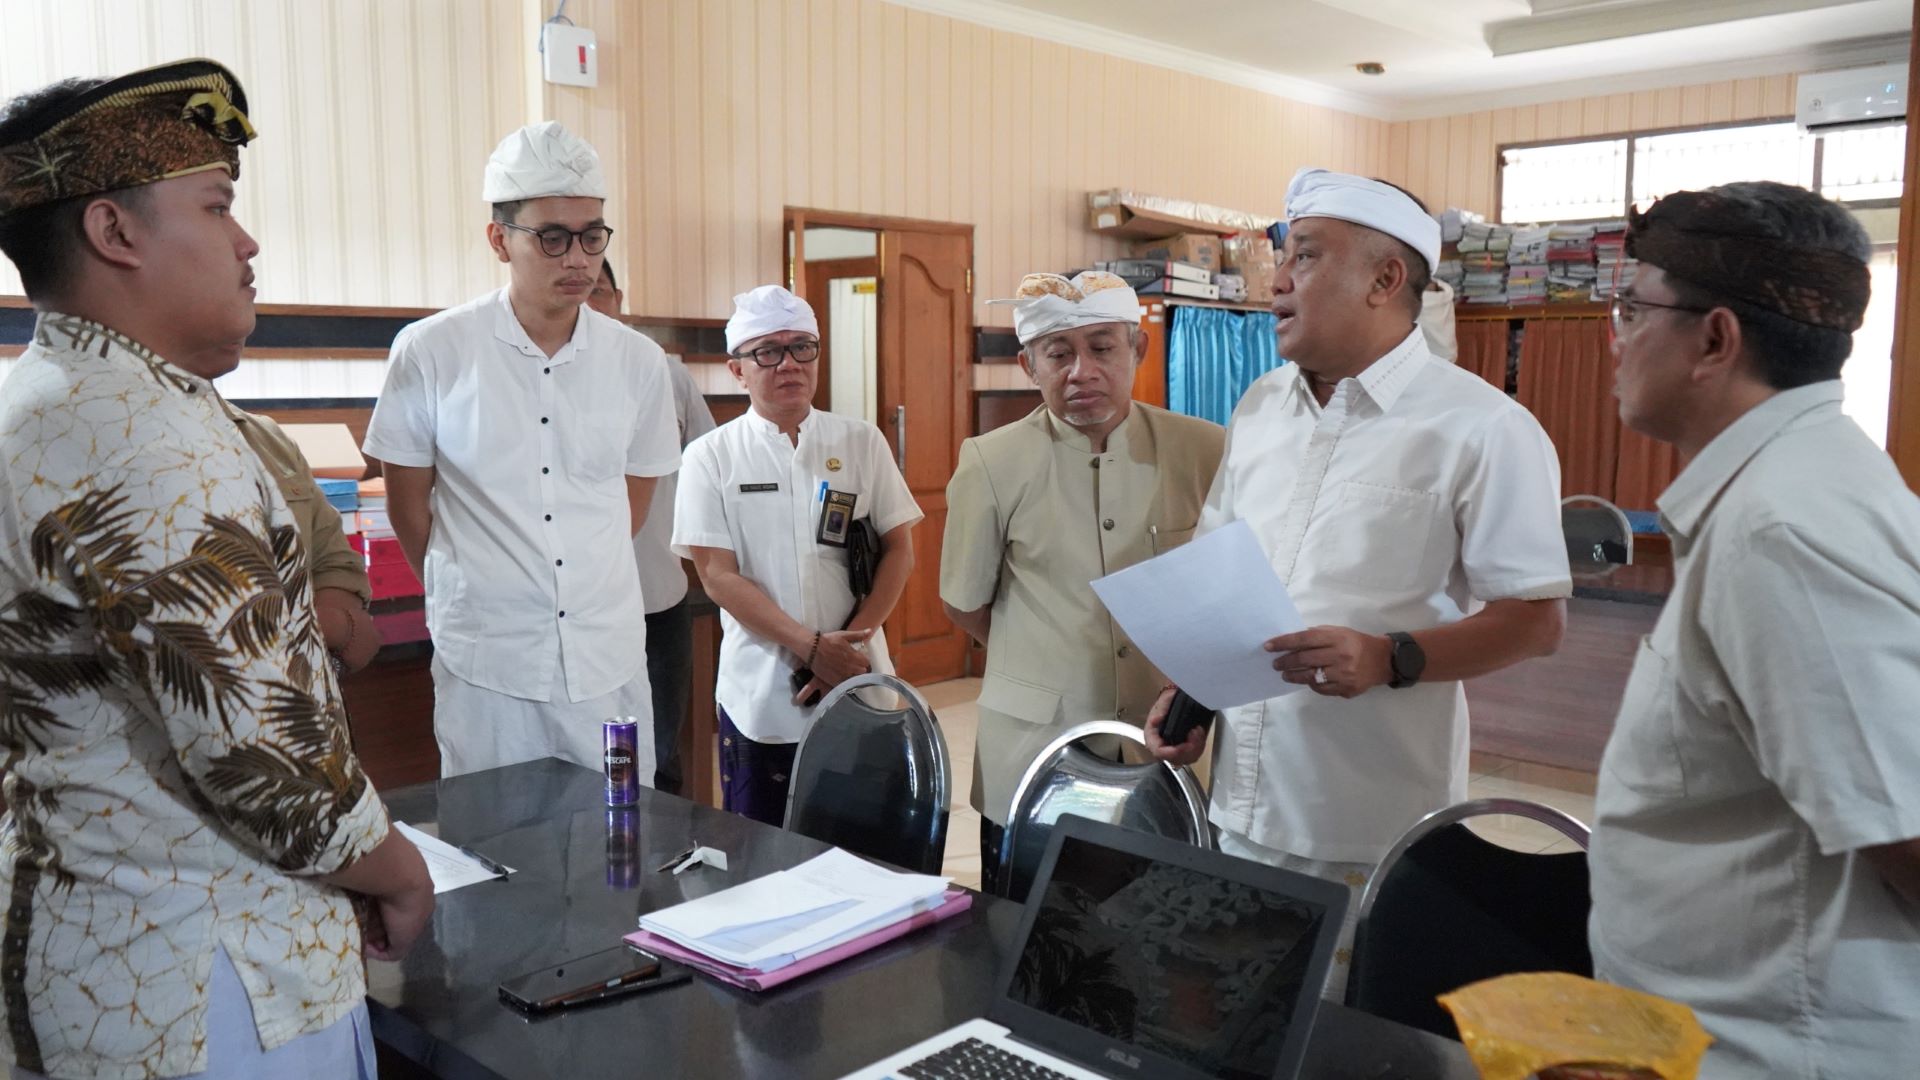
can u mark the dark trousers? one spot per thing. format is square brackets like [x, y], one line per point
[754, 776]
[670, 670]
[990, 837]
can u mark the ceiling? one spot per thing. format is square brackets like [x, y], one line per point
[1449, 56]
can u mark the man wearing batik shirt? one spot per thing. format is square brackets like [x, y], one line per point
[187, 818]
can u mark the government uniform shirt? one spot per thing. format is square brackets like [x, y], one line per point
[745, 488]
[1415, 495]
[1770, 731]
[531, 585]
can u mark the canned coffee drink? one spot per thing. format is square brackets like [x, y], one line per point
[622, 740]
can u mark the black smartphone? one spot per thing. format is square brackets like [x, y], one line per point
[799, 680]
[596, 977]
[1183, 715]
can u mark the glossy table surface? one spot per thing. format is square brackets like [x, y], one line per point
[440, 1007]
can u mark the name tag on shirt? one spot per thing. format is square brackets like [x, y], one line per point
[750, 488]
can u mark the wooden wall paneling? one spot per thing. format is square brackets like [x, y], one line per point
[1903, 423]
[1566, 382]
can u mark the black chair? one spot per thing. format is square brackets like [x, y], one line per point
[874, 781]
[1599, 536]
[1447, 908]
[1068, 777]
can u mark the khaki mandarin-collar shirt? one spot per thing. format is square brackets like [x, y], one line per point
[331, 561]
[178, 764]
[1770, 731]
[1417, 493]
[1033, 517]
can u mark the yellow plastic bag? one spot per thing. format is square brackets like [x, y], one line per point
[1554, 1025]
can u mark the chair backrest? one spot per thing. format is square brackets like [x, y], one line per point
[1071, 777]
[874, 781]
[1599, 536]
[1447, 908]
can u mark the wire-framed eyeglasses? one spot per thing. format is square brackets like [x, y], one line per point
[1624, 311]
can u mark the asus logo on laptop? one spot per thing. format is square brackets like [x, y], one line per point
[1121, 1057]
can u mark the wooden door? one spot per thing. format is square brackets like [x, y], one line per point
[926, 325]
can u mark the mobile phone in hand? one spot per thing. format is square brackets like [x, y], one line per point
[1183, 715]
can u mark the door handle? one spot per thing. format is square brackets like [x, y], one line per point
[900, 436]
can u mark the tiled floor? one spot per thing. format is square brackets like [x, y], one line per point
[1491, 777]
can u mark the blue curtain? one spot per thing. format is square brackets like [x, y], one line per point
[1213, 355]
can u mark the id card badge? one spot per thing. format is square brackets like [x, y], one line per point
[836, 518]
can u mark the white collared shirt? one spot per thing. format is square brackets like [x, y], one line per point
[529, 566]
[1768, 734]
[663, 577]
[1417, 493]
[746, 489]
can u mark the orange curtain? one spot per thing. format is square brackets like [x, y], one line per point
[1646, 468]
[1566, 381]
[1483, 349]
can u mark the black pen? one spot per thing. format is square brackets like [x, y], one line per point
[496, 869]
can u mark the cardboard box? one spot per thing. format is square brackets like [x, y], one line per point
[329, 448]
[1259, 283]
[1195, 249]
[1242, 249]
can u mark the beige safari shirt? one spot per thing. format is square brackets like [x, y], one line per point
[331, 561]
[1034, 516]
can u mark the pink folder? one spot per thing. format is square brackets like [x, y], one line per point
[955, 902]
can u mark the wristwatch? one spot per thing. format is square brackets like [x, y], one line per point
[1406, 661]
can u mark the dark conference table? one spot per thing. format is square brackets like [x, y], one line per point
[439, 1007]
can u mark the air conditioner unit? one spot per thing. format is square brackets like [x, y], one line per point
[1859, 97]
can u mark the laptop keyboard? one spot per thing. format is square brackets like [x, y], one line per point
[976, 1060]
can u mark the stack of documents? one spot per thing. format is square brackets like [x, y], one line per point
[775, 928]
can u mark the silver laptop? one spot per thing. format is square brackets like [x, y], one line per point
[1142, 956]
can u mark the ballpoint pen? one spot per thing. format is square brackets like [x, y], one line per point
[494, 868]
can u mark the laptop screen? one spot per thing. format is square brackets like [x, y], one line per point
[1178, 962]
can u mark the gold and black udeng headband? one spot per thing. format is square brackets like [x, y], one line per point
[152, 125]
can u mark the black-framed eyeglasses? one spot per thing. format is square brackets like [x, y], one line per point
[1625, 310]
[803, 352]
[554, 240]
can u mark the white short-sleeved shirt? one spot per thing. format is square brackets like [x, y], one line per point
[1770, 731]
[746, 489]
[1417, 493]
[663, 583]
[529, 567]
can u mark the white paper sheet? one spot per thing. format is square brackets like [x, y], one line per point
[769, 921]
[448, 866]
[1201, 613]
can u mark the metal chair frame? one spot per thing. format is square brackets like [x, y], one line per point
[1194, 799]
[943, 773]
[1558, 820]
[1619, 516]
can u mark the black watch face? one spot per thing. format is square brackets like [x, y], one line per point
[1409, 659]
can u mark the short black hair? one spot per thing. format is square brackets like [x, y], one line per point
[1787, 352]
[45, 242]
[508, 213]
[607, 266]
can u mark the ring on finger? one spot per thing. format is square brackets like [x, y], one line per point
[1320, 676]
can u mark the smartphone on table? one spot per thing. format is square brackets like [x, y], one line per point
[596, 977]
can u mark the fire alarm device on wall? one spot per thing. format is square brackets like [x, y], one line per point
[570, 57]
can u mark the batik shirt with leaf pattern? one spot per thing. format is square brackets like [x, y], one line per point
[178, 769]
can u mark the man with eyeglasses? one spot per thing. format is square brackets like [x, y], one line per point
[521, 435]
[766, 509]
[1089, 483]
[1756, 844]
[663, 577]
